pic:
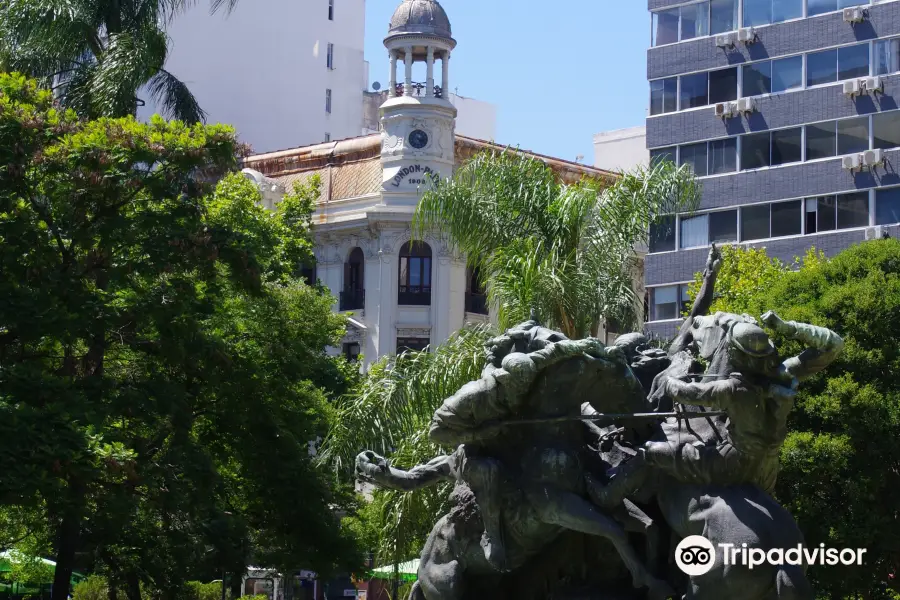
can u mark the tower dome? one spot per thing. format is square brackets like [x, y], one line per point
[421, 17]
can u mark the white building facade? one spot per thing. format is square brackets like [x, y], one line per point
[399, 294]
[621, 149]
[300, 68]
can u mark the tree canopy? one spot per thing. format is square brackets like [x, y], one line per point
[162, 366]
[564, 251]
[840, 474]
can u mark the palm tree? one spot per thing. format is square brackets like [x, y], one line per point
[564, 251]
[98, 54]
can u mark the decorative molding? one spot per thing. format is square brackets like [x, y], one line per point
[414, 332]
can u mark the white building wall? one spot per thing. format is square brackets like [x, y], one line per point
[622, 149]
[263, 69]
[475, 119]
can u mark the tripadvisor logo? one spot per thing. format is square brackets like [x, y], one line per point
[696, 555]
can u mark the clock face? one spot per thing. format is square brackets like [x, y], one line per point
[418, 139]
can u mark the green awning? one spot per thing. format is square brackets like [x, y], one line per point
[407, 571]
[6, 566]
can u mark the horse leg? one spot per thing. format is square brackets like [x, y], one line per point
[636, 520]
[416, 592]
[570, 511]
[791, 583]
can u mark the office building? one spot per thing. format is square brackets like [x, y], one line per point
[788, 112]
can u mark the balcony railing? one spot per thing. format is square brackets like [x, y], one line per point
[353, 299]
[414, 295]
[476, 303]
[419, 90]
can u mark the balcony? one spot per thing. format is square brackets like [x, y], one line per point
[353, 300]
[419, 90]
[414, 295]
[476, 303]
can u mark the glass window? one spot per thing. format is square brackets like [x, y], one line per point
[694, 90]
[757, 79]
[817, 7]
[787, 74]
[663, 96]
[665, 303]
[853, 61]
[757, 12]
[658, 155]
[331, 10]
[886, 128]
[820, 140]
[662, 234]
[821, 67]
[787, 146]
[695, 231]
[665, 27]
[810, 213]
[755, 150]
[826, 209]
[887, 206]
[695, 156]
[694, 20]
[853, 135]
[328, 101]
[723, 85]
[723, 226]
[783, 10]
[755, 222]
[887, 56]
[411, 344]
[722, 16]
[763, 12]
[853, 210]
[723, 156]
[786, 218]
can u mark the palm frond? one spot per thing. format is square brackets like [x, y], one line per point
[174, 98]
[227, 5]
[131, 59]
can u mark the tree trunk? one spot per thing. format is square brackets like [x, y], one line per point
[133, 586]
[112, 591]
[67, 541]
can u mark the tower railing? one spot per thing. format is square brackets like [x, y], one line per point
[419, 90]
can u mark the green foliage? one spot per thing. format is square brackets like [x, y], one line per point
[97, 55]
[841, 462]
[161, 372]
[206, 591]
[390, 413]
[27, 569]
[566, 251]
[92, 588]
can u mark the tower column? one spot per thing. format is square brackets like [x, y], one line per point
[429, 82]
[393, 88]
[408, 59]
[445, 79]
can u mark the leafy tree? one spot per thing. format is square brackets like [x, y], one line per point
[161, 369]
[390, 413]
[840, 472]
[97, 55]
[566, 251]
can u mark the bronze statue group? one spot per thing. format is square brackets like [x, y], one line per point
[635, 445]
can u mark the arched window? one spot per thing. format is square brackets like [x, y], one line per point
[415, 274]
[476, 299]
[353, 296]
[308, 272]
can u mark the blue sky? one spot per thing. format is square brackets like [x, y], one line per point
[559, 72]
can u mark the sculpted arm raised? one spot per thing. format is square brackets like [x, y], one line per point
[823, 346]
[712, 394]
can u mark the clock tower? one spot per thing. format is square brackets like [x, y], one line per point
[417, 138]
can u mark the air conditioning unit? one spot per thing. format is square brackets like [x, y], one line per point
[874, 233]
[873, 84]
[746, 105]
[747, 35]
[852, 87]
[857, 14]
[872, 158]
[726, 40]
[725, 109]
[851, 162]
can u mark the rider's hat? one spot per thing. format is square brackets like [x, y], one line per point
[752, 340]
